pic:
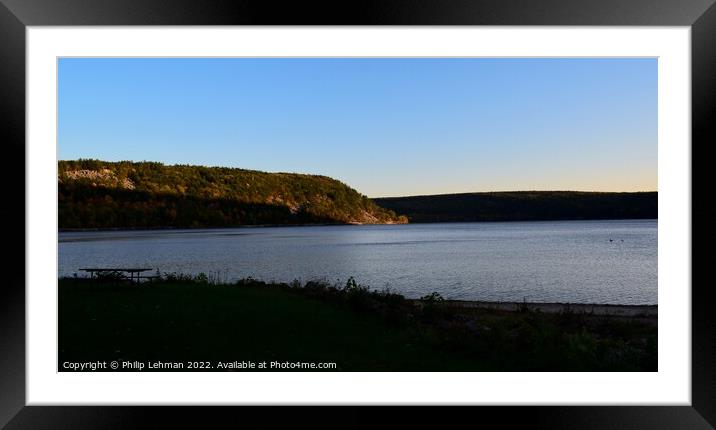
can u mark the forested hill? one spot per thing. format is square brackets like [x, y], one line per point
[100, 194]
[524, 206]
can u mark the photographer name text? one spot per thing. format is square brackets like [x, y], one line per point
[139, 366]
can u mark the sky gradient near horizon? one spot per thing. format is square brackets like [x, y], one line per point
[384, 126]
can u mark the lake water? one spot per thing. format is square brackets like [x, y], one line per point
[564, 261]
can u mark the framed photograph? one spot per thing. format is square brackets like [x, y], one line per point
[463, 204]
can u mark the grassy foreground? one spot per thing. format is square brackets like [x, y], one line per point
[185, 320]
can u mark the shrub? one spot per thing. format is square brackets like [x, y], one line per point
[176, 277]
[358, 296]
[433, 305]
[432, 298]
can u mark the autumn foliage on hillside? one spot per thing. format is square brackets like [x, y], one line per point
[101, 194]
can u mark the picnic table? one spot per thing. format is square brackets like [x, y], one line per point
[132, 274]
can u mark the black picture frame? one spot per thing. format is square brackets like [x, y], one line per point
[16, 15]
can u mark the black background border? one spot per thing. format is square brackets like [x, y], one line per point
[15, 15]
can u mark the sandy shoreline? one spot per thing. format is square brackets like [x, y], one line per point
[649, 311]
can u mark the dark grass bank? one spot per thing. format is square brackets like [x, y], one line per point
[200, 324]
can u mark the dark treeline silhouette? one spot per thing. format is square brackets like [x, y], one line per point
[524, 206]
[100, 194]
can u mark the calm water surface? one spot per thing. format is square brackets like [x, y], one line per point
[565, 261]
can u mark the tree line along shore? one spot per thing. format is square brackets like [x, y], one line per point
[95, 194]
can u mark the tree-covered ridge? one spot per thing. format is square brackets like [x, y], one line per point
[524, 206]
[125, 194]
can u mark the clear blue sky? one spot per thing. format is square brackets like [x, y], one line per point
[387, 127]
